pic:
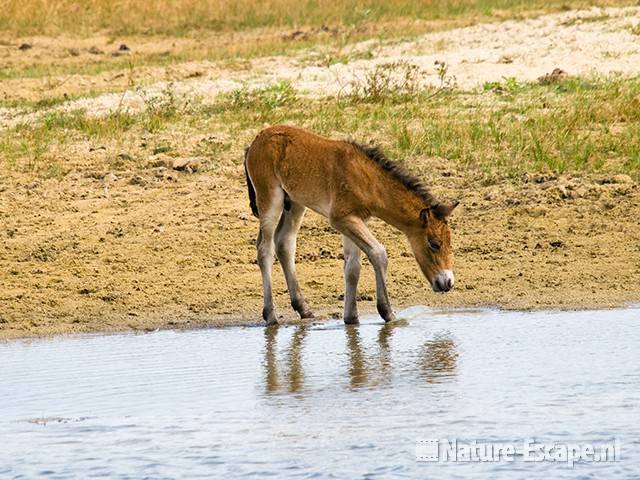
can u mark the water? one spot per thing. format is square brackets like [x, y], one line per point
[323, 401]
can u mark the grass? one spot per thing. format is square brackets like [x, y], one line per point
[390, 80]
[262, 99]
[41, 147]
[216, 30]
[577, 125]
[188, 17]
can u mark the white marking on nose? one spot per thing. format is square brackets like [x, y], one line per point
[444, 281]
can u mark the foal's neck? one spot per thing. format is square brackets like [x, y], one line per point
[398, 206]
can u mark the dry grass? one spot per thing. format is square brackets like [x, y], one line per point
[163, 35]
[184, 17]
[578, 125]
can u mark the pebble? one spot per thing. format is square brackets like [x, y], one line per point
[186, 164]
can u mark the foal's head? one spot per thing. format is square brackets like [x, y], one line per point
[432, 246]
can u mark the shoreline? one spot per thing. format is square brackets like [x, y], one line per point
[246, 320]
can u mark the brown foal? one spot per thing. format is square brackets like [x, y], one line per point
[289, 169]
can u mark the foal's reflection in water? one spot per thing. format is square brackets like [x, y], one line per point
[295, 375]
[434, 361]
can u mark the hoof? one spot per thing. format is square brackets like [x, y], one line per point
[271, 321]
[306, 314]
[386, 313]
[269, 317]
[303, 309]
[351, 321]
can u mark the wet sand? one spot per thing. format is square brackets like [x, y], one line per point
[135, 251]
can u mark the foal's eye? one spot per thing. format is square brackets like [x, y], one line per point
[434, 244]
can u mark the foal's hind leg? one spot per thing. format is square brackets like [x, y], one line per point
[286, 251]
[270, 209]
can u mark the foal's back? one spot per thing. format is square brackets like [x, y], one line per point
[310, 168]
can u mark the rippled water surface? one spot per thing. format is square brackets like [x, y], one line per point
[322, 400]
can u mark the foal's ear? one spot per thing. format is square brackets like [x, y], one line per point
[442, 210]
[424, 216]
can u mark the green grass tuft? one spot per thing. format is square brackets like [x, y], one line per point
[585, 125]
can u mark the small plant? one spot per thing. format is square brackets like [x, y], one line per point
[163, 106]
[446, 80]
[264, 99]
[34, 149]
[211, 146]
[492, 87]
[511, 84]
[635, 29]
[54, 169]
[387, 81]
[404, 140]
[508, 85]
[277, 95]
[166, 104]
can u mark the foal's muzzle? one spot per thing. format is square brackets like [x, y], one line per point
[443, 282]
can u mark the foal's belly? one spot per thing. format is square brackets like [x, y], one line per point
[318, 205]
[308, 189]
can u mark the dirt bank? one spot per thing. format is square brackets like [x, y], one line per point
[160, 248]
[117, 241]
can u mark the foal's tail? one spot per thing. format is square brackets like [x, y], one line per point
[252, 191]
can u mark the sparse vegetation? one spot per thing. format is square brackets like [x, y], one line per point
[389, 81]
[263, 99]
[162, 34]
[186, 17]
[557, 127]
[507, 85]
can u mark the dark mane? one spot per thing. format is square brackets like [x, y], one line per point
[396, 171]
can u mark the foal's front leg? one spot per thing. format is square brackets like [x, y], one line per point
[355, 228]
[352, 266]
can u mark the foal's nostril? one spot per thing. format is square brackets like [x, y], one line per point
[443, 285]
[443, 282]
